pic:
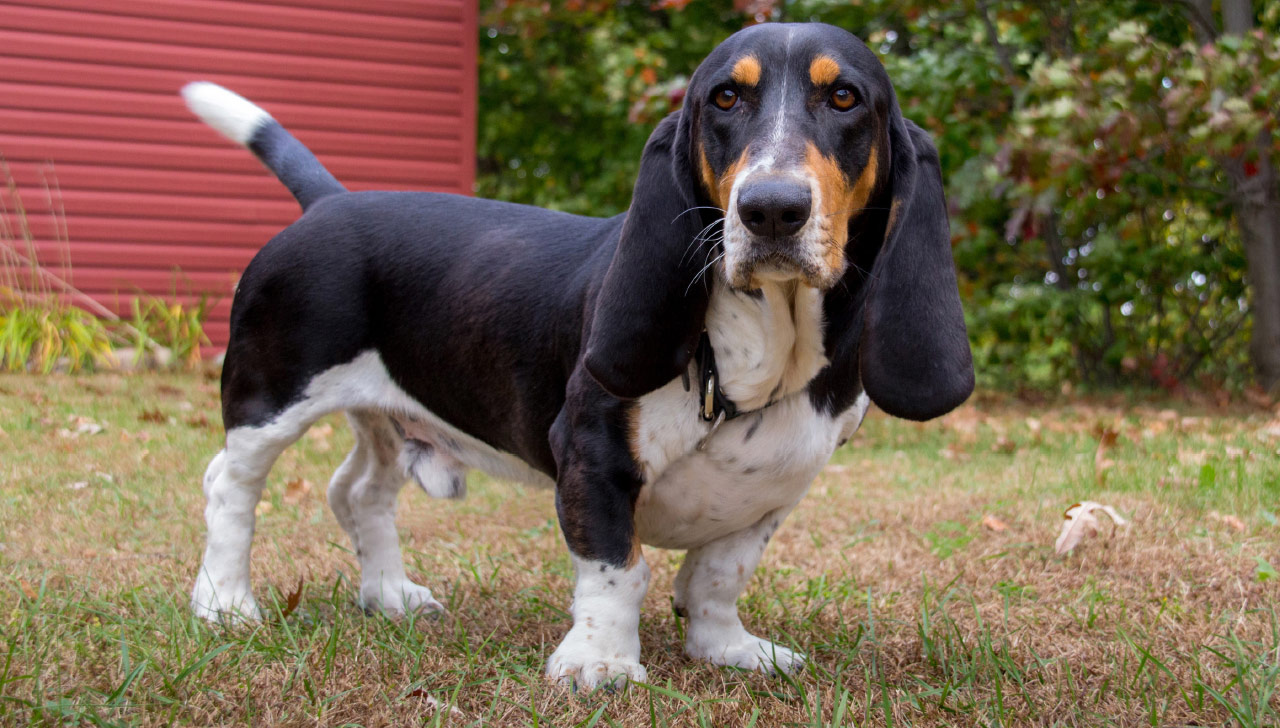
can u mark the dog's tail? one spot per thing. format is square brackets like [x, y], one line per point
[249, 125]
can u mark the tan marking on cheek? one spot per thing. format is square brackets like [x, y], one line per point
[708, 177]
[746, 71]
[719, 188]
[840, 201]
[823, 70]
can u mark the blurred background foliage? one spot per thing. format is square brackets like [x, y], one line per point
[1102, 159]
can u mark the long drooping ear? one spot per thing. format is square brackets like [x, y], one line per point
[650, 310]
[914, 354]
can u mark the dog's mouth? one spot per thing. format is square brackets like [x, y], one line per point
[780, 260]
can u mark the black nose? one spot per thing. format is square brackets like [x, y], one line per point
[774, 208]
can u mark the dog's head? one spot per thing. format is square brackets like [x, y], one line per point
[789, 162]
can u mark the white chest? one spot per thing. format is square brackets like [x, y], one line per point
[767, 348]
[751, 466]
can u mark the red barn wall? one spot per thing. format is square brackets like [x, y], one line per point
[383, 91]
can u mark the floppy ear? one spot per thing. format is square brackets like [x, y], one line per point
[914, 353]
[649, 311]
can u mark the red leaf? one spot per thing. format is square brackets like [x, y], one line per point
[292, 601]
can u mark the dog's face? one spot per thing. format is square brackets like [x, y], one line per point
[790, 141]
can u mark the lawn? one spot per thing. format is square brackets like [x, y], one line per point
[919, 575]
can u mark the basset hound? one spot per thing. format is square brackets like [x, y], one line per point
[679, 373]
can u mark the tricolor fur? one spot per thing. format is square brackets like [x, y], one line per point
[788, 210]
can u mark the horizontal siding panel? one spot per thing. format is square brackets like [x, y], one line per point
[178, 207]
[212, 234]
[442, 26]
[95, 26]
[128, 279]
[209, 159]
[383, 92]
[157, 257]
[190, 133]
[422, 73]
[441, 9]
[261, 89]
[446, 122]
[262, 184]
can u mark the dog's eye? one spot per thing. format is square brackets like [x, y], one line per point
[726, 98]
[843, 99]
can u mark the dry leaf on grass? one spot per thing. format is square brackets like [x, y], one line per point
[1004, 446]
[1080, 522]
[296, 490]
[292, 601]
[153, 415]
[28, 591]
[432, 702]
[319, 436]
[991, 523]
[80, 426]
[1101, 463]
[1230, 520]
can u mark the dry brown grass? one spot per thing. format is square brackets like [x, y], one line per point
[912, 610]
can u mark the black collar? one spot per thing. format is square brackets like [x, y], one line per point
[713, 406]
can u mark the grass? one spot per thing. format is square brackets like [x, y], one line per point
[914, 609]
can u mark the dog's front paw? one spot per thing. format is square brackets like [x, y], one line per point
[399, 598]
[577, 664]
[739, 648]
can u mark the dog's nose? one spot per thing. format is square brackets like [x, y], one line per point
[774, 208]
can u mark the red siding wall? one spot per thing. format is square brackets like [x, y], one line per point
[383, 91]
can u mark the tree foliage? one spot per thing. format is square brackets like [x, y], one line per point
[1083, 144]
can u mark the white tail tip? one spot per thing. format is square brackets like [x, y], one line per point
[234, 116]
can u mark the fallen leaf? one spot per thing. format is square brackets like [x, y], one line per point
[1004, 446]
[432, 702]
[28, 591]
[264, 506]
[1080, 522]
[954, 451]
[992, 523]
[292, 601]
[198, 421]
[80, 426]
[1230, 520]
[153, 415]
[1101, 463]
[296, 490]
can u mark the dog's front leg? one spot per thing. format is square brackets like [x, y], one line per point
[707, 588]
[595, 499]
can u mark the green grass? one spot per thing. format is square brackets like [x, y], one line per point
[911, 610]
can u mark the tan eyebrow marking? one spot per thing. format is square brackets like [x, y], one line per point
[823, 70]
[747, 71]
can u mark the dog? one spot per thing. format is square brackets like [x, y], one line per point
[679, 373]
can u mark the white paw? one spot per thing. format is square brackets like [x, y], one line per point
[739, 648]
[230, 606]
[398, 598]
[576, 664]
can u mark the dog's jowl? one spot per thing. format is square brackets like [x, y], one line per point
[679, 373]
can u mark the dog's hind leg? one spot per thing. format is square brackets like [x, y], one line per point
[233, 486]
[363, 497]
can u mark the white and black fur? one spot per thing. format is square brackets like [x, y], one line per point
[552, 349]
